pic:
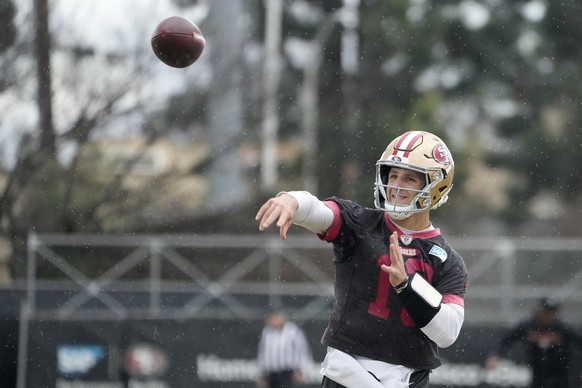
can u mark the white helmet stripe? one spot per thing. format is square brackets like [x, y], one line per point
[405, 143]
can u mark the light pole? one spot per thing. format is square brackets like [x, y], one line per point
[271, 80]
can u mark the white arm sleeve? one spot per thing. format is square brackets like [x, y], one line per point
[445, 327]
[312, 213]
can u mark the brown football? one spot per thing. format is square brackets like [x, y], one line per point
[178, 42]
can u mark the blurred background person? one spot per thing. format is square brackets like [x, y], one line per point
[282, 353]
[549, 345]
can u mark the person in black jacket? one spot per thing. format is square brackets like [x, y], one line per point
[549, 344]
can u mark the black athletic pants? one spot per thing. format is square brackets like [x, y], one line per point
[419, 379]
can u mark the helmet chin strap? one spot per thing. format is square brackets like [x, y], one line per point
[399, 215]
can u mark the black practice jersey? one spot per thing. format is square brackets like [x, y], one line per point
[368, 318]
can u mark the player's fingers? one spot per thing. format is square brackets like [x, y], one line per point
[283, 230]
[394, 239]
[396, 269]
[284, 218]
[267, 215]
[272, 212]
[395, 254]
[262, 211]
[284, 222]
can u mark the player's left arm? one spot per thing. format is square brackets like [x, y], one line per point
[439, 316]
[446, 325]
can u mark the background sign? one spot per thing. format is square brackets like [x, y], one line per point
[212, 353]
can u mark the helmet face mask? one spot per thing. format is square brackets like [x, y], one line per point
[418, 151]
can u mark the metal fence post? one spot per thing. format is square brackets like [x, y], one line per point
[507, 252]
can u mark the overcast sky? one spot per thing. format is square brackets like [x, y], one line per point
[113, 26]
[106, 26]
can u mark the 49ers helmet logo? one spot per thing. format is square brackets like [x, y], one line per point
[441, 154]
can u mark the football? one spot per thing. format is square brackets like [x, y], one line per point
[177, 42]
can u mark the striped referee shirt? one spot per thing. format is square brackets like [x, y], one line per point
[283, 349]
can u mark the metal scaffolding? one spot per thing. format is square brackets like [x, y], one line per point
[237, 276]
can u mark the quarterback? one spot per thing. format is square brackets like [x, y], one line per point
[399, 286]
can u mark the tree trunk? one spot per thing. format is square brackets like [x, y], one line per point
[272, 76]
[47, 133]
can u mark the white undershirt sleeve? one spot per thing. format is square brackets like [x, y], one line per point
[445, 327]
[312, 213]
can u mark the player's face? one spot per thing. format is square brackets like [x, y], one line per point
[404, 185]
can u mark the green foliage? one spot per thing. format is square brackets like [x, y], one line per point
[532, 65]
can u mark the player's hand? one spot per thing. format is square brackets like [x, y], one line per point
[396, 269]
[279, 209]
